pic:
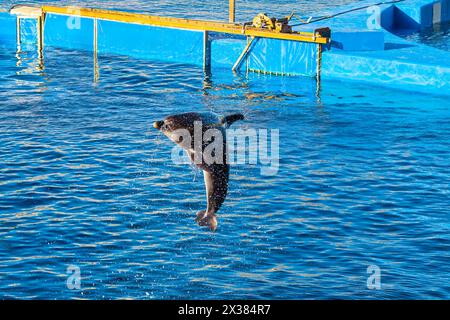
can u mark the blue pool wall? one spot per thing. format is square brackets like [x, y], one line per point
[379, 55]
[421, 15]
[424, 13]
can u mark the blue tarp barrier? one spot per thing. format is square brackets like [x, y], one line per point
[172, 45]
[149, 42]
[284, 57]
[68, 32]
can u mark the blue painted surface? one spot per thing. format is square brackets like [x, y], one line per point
[421, 11]
[400, 64]
[358, 40]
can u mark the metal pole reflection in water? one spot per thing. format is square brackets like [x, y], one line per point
[40, 43]
[96, 66]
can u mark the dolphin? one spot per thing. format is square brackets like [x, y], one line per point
[203, 137]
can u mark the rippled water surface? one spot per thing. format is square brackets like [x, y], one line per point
[437, 36]
[211, 9]
[85, 181]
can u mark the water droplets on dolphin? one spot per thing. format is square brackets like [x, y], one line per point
[202, 136]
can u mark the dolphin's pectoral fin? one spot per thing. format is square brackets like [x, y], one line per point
[205, 219]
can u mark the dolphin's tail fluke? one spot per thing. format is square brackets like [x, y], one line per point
[207, 220]
[229, 120]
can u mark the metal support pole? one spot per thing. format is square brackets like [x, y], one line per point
[96, 66]
[243, 55]
[206, 52]
[40, 35]
[319, 71]
[232, 11]
[18, 38]
[40, 41]
[319, 61]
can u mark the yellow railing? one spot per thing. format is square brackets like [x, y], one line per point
[189, 24]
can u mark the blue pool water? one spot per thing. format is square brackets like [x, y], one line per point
[85, 181]
[211, 9]
[437, 36]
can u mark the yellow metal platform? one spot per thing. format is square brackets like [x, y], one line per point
[189, 24]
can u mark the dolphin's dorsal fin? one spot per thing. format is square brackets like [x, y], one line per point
[229, 120]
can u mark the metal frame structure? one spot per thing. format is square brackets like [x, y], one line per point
[251, 32]
[188, 24]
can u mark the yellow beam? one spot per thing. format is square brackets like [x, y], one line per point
[189, 24]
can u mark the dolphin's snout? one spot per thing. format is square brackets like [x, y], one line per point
[158, 124]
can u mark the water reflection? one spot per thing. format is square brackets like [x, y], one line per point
[438, 36]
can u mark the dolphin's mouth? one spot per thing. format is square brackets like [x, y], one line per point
[158, 124]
